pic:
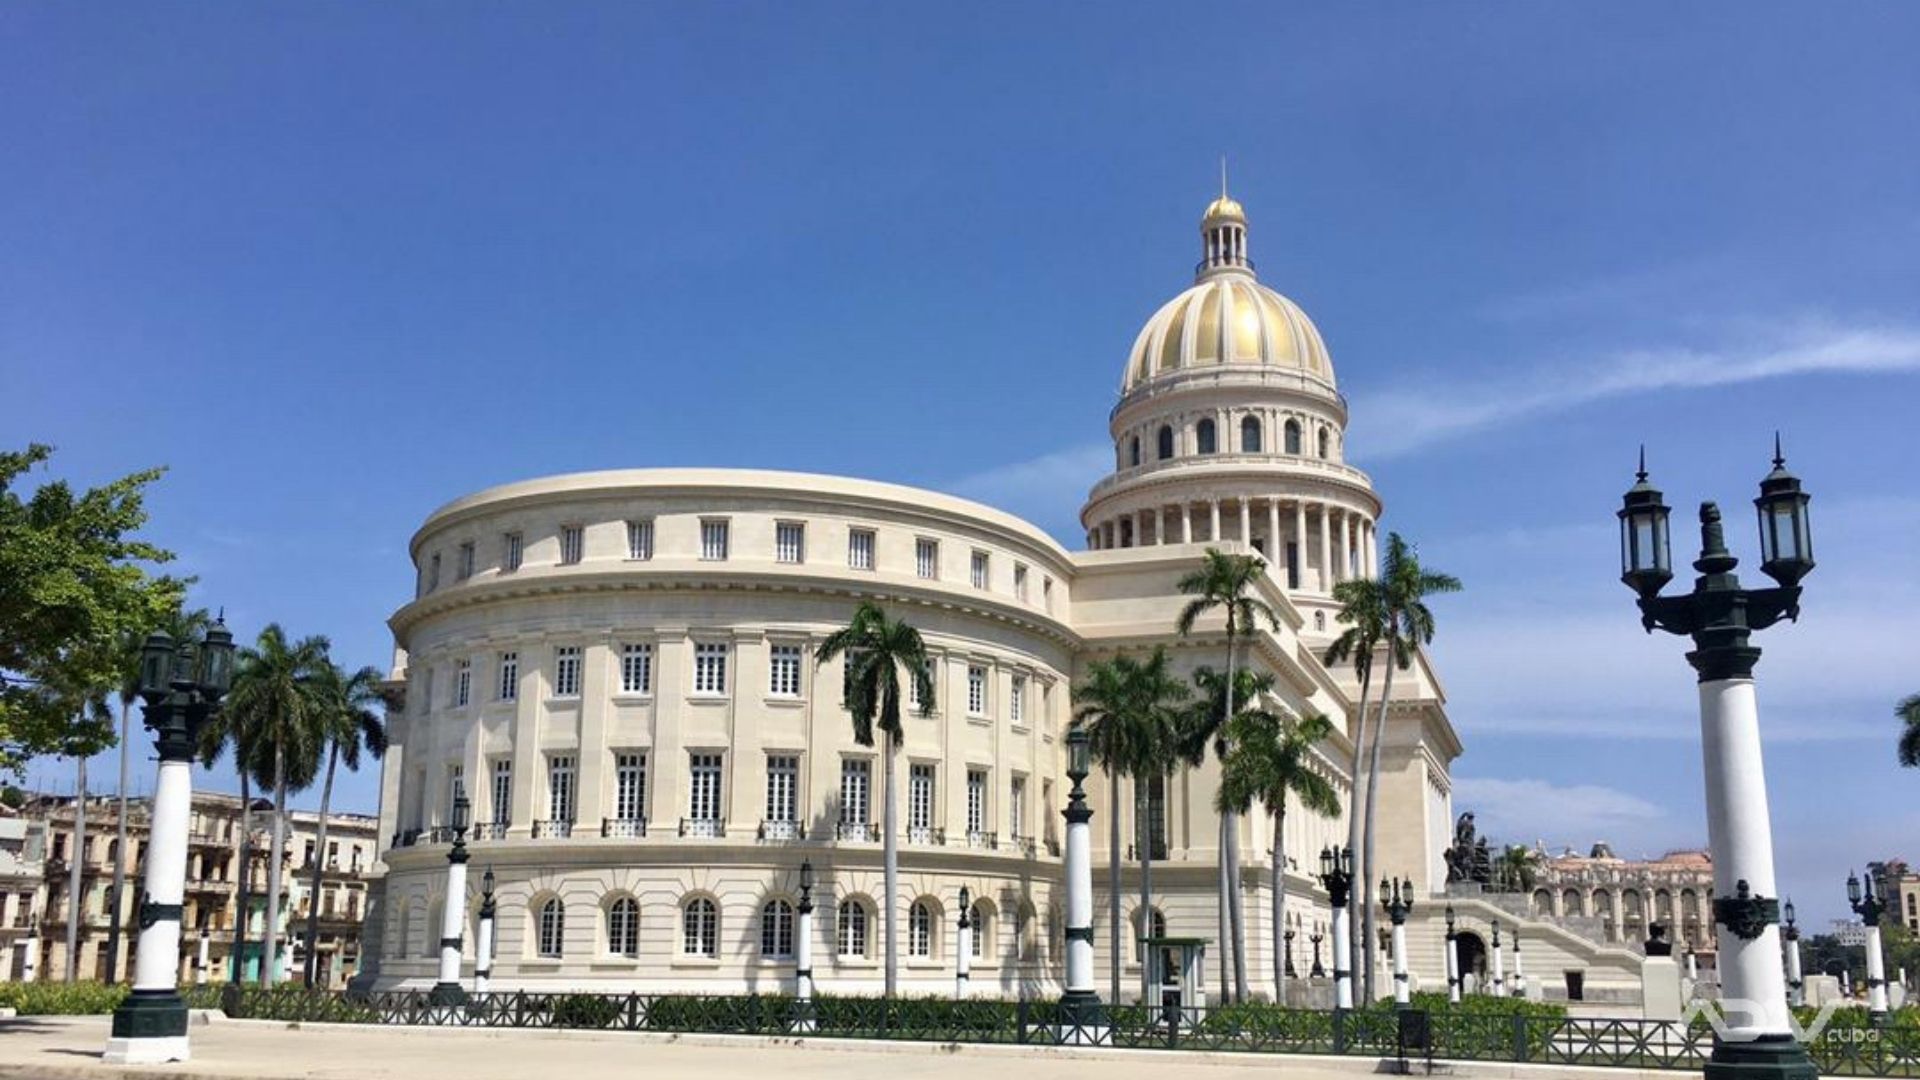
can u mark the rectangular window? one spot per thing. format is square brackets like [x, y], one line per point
[783, 789]
[926, 558]
[629, 787]
[1046, 593]
[1154, 833]
[1293, 565]
[1017, 700]
[509, 676]
[976, 691]
[566, 671]
[456, 790]
[462, 684]
[913, 689]
[1020, 581]
[464, 568]
[713, 539]
[426, 689]
[783, 671]
[789, 542]
[860, 549]
[856, 785]
[640, 539]
[920, 801]
[514, 548]
[703, 804]
[560, 790]
[976, 802]
[502, 791]
[1017, 807]
[572, 541]
[636, 669]
[979, 569]
[709, 668]
[433, 572]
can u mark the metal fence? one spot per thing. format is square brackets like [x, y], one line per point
[1844, 1048]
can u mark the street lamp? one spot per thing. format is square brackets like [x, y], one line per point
[1720, 616]
[803, 950]
[963, 955]
[454, 917]
[1519, 975]
[1453, 960]
[1289, 954]
[483, 948]
[1869, 905]
[1397, 898]
[1079, 1005]
[1317, 971]
[1499, 963]
[1336, 876]
[180, 686]
[1796, 984]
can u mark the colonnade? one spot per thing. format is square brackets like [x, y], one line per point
[1343, 538]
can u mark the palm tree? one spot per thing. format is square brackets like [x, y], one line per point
[1517, 868]
[1226, 582]
[1363, 610]
[349, 723]
[1206, 725]
[229, 730]
[1909, 713]
[1269, 757]
[274, 700]
[1409, 625]
[876, 648]
[1128, 708]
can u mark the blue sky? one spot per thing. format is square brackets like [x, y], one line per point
[337, 264]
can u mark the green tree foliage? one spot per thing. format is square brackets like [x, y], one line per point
[74, 585]
[1909, 713]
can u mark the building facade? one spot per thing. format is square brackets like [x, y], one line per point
[1626, 896]
[616, 670]
[212, 901]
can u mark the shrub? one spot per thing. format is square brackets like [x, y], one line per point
[585, 1011]
[62, 999]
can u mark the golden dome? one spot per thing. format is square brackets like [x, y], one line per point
[1224, 208]
[1228, 321]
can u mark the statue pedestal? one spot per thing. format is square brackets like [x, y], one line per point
[1660, 991]
[1821, 989]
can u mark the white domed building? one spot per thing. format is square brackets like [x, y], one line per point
[616, 669]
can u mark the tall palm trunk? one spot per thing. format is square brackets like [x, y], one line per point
[890, 876]
[243, 896]
[270, 957]
[1142, 812]
[319, 850]
[1230, 846]
[120, 846]
[1280, 906]
[78, 862]
[1373, 787]
[1113, 879]
[1225, 917]
[1354, 802]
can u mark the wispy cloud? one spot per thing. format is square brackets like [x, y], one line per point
[1399, 421]
[1523, 811]
[1046, 490]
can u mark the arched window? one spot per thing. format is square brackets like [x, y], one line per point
[853, 929]
[1166, 442]
[436, 920]
[1323, 443]
[1133, 452]
[1542, 902]
[700, 928]
[552, 931]
[623, 927]
[1249, 435]
[982, 919]
[1156, 927]
[1203, 432]
[776, 928]
[1023, 931]
[1293, 436]
[920, 924]
[406, 928]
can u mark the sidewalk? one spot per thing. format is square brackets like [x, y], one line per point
[69, 1047]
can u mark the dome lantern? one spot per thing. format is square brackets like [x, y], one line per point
[1223, 233]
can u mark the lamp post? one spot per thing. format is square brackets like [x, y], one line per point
[1288, 947]
[963, 953]
[1499, 963]
[483, 948]
[1453, 960]
[1720, 616]
[30, 968]
[1397, 898]
[1336, 876]
[1870, 906]
[454, 916]
[1796, 983]
[803, 951]
[180, 686]
[1080, 1005]
[1519, 975]
[200, 960]
[1317, 971]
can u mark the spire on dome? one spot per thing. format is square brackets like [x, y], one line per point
[1223, 232]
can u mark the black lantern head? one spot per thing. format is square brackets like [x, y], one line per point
[460, 809]
[486, 882]
[1449, 918]
[806, 877]
[1853, 889]
[156, 666]
[216, 660]
[966, 901]
[1646, 561]
[1326, 862]
[1787, 910]
[1786, 538]
[1079, 754]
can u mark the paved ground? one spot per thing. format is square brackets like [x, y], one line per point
[69, 1047]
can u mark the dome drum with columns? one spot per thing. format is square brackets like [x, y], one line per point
[617, 669]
